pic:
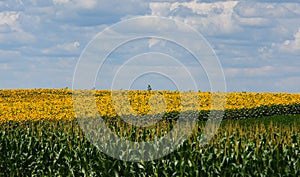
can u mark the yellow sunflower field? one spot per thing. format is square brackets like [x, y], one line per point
[36, 104]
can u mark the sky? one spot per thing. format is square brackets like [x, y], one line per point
[257, 44]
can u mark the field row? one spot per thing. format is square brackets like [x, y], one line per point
[253, 147]
[36, 104]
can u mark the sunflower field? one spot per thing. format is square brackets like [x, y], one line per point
[57, 104]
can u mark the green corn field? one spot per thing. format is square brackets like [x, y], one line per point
[266, 146]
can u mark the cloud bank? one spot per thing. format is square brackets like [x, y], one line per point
[257, 42]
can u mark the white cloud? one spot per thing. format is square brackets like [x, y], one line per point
[266, 10]
[8, 54]
[209, 18]
[11, 32]
[86, 4]
[253, 39]
[264, 71]
[254, 22]
[60, 1]
[153, 42]
[16, 39]
[65, 49]
[96, 12]
[160, 9]
[10, 18]
[293, 7]
[248, 72]
[291, 46]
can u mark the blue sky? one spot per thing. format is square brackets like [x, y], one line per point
[257, 42]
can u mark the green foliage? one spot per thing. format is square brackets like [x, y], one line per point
[231, 114]
[149, 87]
[250, 147]
[256, 112]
